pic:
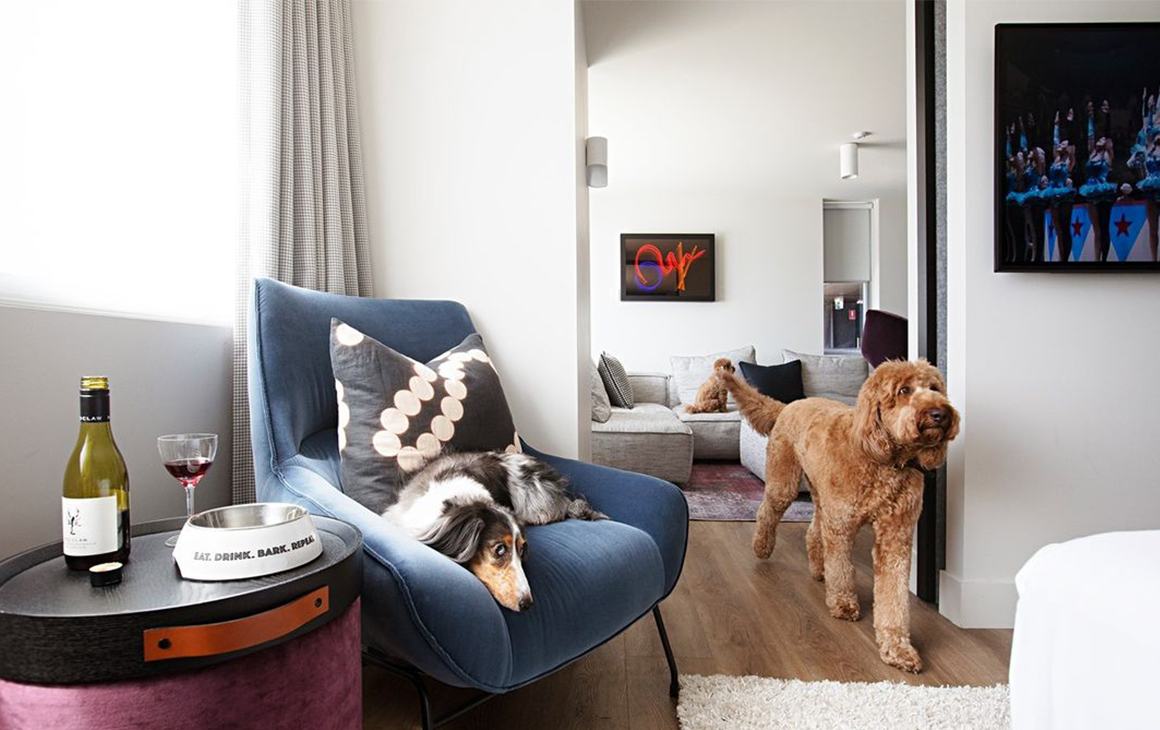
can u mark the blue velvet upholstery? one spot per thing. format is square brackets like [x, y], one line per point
[590, 580]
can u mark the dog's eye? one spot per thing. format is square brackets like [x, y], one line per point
[500, 550]
[523, 551]
[904, 390]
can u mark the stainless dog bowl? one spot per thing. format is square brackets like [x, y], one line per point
[248, 516]
[246, 541]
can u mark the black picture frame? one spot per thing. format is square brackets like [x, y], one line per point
[1059, 61]
[700, 283]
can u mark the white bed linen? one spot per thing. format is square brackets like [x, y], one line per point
[1086, 652]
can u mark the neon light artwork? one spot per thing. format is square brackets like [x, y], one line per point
[661, 267]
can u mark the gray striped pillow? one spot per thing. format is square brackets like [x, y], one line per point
[616, 381]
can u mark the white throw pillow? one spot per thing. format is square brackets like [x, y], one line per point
[837, 377]
[689, 373]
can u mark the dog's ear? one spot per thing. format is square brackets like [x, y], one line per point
[869, 432]
[457, 532]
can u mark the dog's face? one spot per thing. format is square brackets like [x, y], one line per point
[903, 413]
[724, 363]
[498, 562]
[488, 541]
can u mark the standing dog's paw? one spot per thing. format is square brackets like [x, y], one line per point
[844, 607]
[763, 544]
[898, 652]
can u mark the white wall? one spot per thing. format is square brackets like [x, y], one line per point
[1055, 375]
[470, 143]
[726, 118]
[165, 377]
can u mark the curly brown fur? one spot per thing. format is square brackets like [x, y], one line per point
[862, 465]
[713, 396]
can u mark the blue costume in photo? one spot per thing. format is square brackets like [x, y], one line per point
[1149, 187]
[1097, 189]
[1059, 188]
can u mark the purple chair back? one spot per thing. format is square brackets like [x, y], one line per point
[883, 337]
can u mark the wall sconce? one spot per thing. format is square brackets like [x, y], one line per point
[848, 157]
[596, 161]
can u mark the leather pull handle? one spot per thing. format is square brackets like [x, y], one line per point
[176, 642]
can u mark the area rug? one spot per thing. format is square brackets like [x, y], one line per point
[758, 703]
[725, 491]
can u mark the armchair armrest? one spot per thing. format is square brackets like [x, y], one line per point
[416, 602]
[647, 503]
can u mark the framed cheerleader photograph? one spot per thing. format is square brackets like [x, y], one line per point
[1077, 147]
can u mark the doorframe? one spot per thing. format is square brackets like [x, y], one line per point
[927, 556]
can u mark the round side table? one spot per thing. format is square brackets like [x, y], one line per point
[157, 651]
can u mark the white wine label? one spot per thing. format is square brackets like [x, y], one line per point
[90, 525]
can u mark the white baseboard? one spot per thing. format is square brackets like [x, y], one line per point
[977, 604]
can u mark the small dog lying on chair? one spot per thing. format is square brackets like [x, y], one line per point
[712, 396]
[864, 465]
[472, 508]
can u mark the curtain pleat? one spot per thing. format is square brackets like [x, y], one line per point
[303, 203]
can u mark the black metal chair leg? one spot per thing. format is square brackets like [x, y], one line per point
[373, 657]
[674, 677]
[380, 660]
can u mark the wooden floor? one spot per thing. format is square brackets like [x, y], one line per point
[730, 614]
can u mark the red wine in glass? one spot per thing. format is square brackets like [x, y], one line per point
[188, 470]
[187, 457]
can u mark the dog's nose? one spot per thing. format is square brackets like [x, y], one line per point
[526, 603]
[938, 415]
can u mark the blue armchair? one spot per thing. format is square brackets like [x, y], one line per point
[424, 615]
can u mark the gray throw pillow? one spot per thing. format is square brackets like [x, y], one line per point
[690, 373]
[837, 377]
[601, 406]
[616, 381]
[395, 414]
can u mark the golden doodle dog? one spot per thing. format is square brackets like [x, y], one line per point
[864, 467]
[712, 396]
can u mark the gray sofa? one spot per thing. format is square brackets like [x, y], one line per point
[837, 377]
[658, 438]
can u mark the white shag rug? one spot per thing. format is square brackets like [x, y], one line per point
[758, 703]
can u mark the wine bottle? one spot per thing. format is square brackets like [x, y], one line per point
[95, 502]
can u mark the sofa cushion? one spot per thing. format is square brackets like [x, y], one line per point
[780, 382]
[395, 412]
[837, 377]
[715, 435]
[616, 381]
[650, 388]
[645, 418]
[691, 372]
[601, 406]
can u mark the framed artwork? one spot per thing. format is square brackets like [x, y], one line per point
[1077, 147]
[674, 267]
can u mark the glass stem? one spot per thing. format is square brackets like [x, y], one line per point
[189, 500]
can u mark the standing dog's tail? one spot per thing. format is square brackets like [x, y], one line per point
[760, 410]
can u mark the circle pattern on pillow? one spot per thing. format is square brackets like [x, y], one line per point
[400, 413]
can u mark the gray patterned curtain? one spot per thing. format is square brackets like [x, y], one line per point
[303, 213]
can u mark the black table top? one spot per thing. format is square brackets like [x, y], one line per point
[56, 628]
[150, 580]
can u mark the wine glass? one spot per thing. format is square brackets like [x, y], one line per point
[187, 457]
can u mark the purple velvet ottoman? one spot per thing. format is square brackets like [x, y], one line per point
[160, 652]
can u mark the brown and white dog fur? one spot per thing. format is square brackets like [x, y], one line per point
[712, 396]
[473, 507]
[863, 465]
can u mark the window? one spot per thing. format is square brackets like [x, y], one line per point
[118, 165]
[848, 256]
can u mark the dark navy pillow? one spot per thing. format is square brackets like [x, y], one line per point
[395, 414]
[780, 382]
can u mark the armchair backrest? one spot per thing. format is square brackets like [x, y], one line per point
[291, 384]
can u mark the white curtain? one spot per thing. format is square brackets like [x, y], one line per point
[303, 212]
